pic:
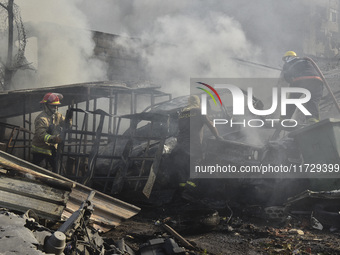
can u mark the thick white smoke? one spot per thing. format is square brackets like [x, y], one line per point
[183, 39]
[65, 45]
[201, 36]
[179, 47]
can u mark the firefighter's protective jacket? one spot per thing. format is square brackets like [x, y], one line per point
[43, 137]
[299, 69]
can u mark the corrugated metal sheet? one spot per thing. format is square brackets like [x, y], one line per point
[22, 194]
[108, 211]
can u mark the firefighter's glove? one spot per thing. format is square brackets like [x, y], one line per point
[51, 129]
[69, 115]
[55, 139]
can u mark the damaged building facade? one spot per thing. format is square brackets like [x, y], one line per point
[321, 37]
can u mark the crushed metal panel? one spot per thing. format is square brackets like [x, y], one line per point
[23, 194]
[232, 152]
[151, 136]
[108, 212]
[334, 194]
[319, 143]
[322, 207]
[154, 170]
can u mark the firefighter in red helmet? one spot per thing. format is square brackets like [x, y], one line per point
[48, 125]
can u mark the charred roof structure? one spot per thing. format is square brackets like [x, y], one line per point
[98, 110]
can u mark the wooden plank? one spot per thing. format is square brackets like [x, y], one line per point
[180, 238]
[52, 181]
[29, 188]
[22, 203]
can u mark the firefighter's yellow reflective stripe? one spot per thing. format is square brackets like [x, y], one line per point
[312, 120]
[41, 150]
[189, 183]
[192, 184]
[47, 137]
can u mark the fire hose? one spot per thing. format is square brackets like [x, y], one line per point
[325, 82]
[315, 66]
[277, 131]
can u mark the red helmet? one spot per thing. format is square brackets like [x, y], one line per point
[52, 98]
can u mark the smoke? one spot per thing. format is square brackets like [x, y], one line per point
[183, 39]
[179, 47]
[180, 39]
[64, 48]
[199, 47]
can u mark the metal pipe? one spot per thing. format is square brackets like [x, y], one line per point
[257, 64]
